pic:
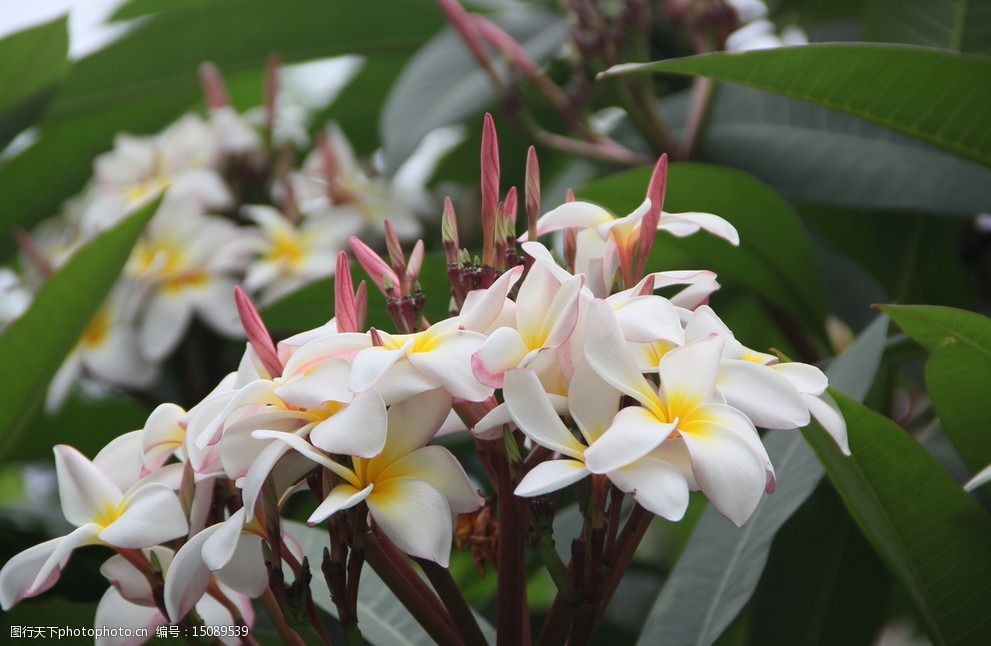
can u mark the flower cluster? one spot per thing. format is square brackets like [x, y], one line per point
[562, 372]
[233, 210]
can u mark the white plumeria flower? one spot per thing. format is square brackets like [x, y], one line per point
[410, 488]
[146, 514]
[728, 461]
[762, 34]
[129, 602]
[293, 255]
[15, 297]
[107, 351]
[410, 364]
[186, 263]
[546, 313]
[774, 394]
[658, 486]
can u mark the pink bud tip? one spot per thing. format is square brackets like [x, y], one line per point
[257, 333]
[395, 249]
[377, 269]
[510, 205]
[490, 188]
[648, 227]
[376, 338]
[361, 305]
[214, 89]
[345, 309]
[415, 263]
[569, 195]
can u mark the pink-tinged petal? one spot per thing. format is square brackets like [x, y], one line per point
[219, 548]
[326, 382]
[502, 351]
[309, 353]
[728, 466]
[689, 373]
[634, 433]
[84, 491]
[592, 402]
[129, 581]
[484, 307]
[824, 409]
[343, 496]
[162, 435]
[805, 378]
[982, 476]
[372, 363]
[413, 423]
[685, 224]
[533, 413]
[550, 476]
[403, 381]
[609, 355]
[246, 571]
[19, 574]
[152, 515]
[582, 215]
[768, 398]
[565, 308]
[436, 466]
[415, 516]
[52, 568]
[542, 256]
[259, 470]
[358, 429]
[187, 577]
[165, 320]
[649, 318]
[450, 365]
[115, 610]
[659, 487]
[120, 460]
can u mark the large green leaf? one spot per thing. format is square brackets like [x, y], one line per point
[775, 256]
[381, 617]
[813, 154]
[958, 25]
[940, 97]
[443, 85]
[32, 62]
[957, 374]
[34, 346]
[722, 564]
[932, 535]
[146, 79]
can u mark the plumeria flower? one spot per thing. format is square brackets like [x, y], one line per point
[144, 515]
[292, 255]
[410, 488]
[15, 297]
[774, 394]
[186, 264]
[107, 351]
[656, 484]
[728, 461]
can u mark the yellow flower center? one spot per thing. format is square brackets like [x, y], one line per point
[98, 330]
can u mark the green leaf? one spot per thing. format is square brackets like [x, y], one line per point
[958, 25]
[940, 97]
[34, 346]
[146, 79]
[381, 617]
[932, 535]
[32, 62]
[957, 374]
[722, 564]
[814, 154]
[443, 84]
[775, 257]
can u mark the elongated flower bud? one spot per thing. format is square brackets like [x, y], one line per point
[377, 269]
[345, 309]
[395, 249]
[490, 188]
[648, 227]
[214, 89]
[449, 232]
[415, 264]
[532, 192]
[272, 66]
[361, 305]
[257, 333]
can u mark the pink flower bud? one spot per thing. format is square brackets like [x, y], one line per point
[490, 188]
[648, 227]
[345, 308]
[212, 82]
[395, 249]
[415, 264]
[361, 305]
[449, 232]
[532, 192]
[272, 66]
[377, 269]
[257, 333]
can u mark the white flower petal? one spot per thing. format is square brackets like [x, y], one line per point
[577, 214]
[436, 466]
[550, 476]
[343, 496]
[659, 487]
[535, 416]
[84, 491]
[413, 423]
[450, 365]
[152, 515]
[764, 395]
[502, 351]
[634, 433]
[359, 428]
[187, 577]
[19, 574]
[828, 414]
[415, 516]
[114, 610]
[165, 321]
[592, 402]
[805, 378]
[246, 571]
[684, 224]
[690, 372]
